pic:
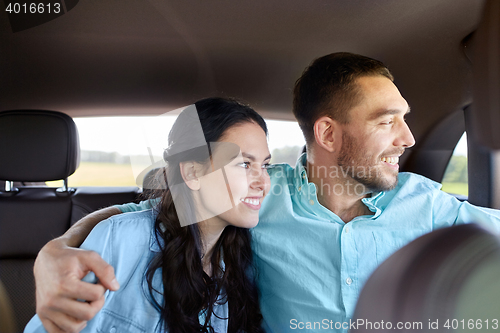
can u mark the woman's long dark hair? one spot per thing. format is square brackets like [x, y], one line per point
[187, 289]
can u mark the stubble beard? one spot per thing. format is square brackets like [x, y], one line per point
[366, 172]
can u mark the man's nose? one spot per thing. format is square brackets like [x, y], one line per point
[405, 138]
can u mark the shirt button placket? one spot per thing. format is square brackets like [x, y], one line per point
[348, 281]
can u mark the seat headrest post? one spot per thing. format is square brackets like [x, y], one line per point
[9, 185]
[65, 189]
[9, 189]
[65, 185]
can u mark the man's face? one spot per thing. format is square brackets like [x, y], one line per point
[376, 135]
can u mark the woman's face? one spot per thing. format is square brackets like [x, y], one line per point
[233, 194]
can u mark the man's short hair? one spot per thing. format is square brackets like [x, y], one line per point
[327, 88]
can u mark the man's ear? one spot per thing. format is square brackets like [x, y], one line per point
[326, 133]
[190, 174]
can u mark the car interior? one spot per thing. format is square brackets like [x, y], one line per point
[447, 274]
[128, 57]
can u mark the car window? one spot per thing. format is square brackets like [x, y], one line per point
[455, 177]
[112, 149]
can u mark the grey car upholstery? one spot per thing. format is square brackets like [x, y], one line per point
[450, 273]
[35, 146]
[39, 146]
[7, 319]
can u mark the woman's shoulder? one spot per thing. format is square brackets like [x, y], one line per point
[122, 233]
[134, 220]
[133, 228]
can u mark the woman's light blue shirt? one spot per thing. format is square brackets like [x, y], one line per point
[127, 243]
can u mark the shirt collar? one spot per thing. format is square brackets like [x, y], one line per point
[300, 171]
[372, 203]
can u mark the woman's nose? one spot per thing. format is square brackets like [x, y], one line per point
[259, 178]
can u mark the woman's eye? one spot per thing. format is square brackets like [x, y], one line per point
[245, 165]
[267, 166]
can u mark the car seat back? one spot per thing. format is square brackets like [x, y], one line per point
[438, 280]
[35, 146]
[7, 320]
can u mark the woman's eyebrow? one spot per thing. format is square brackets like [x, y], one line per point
[252, 158]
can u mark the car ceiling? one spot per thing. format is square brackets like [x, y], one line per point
[119, 57]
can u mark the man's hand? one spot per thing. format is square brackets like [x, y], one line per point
[58, 272]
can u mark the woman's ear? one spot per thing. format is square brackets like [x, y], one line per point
[190, 175]
[326, 131]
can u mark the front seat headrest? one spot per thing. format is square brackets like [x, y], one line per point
[434, 282]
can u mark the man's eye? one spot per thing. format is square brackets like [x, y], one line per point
[389, 122]
[267, 166]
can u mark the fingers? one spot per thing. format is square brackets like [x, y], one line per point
[75, 289]
[58, 273]
[65, 314]
[103, 271]
[67, 324]
[50, 326]
[79, 310]
[69, 315]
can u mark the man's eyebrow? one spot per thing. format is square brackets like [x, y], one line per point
[252, 158]
[389, 112]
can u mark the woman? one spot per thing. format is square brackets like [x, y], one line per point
[186, 265]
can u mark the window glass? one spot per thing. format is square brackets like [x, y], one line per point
[455, 176]
[285, 141]
[108, 144]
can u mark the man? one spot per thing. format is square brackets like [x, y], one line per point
[326, 224]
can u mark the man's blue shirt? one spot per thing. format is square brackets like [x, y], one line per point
[312, 265]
